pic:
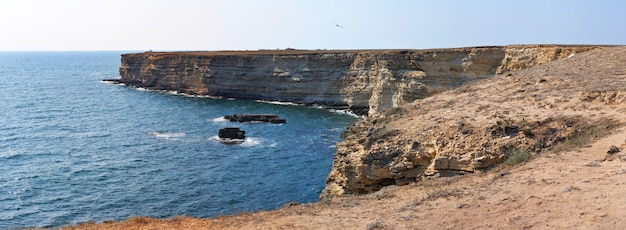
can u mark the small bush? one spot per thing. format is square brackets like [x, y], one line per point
[517, 155]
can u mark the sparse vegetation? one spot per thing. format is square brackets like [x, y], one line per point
[434, 193]
[517, 155]
[584, 135]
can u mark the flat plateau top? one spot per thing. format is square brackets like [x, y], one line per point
[290, 51]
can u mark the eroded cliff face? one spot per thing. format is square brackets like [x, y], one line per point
[486, 122]
[365, 82]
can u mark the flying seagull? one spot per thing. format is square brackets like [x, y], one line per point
[338, 25]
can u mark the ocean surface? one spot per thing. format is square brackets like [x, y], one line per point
[75, 149]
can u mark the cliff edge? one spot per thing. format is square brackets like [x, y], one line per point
[363, 81]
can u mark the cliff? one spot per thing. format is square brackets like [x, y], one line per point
[403, 139]
[364, 81]
[507, 118]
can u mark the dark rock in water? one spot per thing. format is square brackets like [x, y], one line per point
[231, 133]
[271, 118]
[114, 81]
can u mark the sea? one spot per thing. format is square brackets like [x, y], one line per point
[76, 149]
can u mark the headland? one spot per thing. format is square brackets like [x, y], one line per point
[484, 137]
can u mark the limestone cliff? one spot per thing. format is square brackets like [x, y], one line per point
[486, 122]
[364, 81]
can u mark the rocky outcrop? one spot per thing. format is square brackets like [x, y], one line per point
[231, 133]
[270, 118]
[558, 105]
[364, 81]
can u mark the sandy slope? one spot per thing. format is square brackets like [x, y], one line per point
[583, 188]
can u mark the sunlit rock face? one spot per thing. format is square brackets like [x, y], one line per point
[364, 81]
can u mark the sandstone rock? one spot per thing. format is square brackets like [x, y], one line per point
[364, 81]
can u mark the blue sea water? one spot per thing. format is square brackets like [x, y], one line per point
[74, 149]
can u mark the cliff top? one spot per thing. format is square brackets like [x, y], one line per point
[578, 187]
[291, 51]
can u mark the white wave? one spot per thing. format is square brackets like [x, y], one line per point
[247, 142]
[219, 119]
[278, 102]
[172, 92]
[166, 135]
[110, 82]
[345, 112]
[336, 129]
[251, 141]
[201, 96]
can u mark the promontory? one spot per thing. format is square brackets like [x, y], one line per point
[363, 81]
[524, 136]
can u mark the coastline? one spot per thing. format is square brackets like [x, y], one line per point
[580, 88]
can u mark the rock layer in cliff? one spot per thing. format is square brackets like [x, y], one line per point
[364, 81]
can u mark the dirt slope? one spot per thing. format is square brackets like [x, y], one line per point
[578, 186]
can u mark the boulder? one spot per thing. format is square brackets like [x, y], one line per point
[231, 133]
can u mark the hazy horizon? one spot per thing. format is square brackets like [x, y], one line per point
[190, 25]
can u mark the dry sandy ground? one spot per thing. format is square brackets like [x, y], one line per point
[583, 188]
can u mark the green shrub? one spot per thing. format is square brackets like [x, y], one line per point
[517, 155]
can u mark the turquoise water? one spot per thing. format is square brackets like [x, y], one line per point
[74, 149]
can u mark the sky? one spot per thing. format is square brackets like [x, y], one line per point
[176, 25]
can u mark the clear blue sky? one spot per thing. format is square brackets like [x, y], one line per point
[304, 24]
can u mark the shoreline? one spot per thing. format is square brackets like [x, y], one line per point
[539, 110]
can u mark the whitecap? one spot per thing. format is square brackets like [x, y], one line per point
[219, 119]
[335, 130]
[109, 82]
[278, 102]
[166, 135]
[247, 142]
[251, 141]
[173, 92]
[345, 112]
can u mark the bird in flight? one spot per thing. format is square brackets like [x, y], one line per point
[338, 25]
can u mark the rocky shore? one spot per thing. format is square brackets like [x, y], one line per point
[536, 141]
